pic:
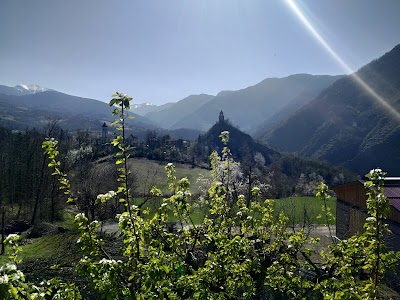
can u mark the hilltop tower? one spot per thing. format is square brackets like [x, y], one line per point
[221, 117]
[104, 132]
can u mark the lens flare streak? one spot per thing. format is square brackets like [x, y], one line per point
[314, 32]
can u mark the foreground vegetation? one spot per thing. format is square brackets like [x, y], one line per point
[241, 250]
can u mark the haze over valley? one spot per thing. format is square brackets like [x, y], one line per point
[333, 118]
[214, 149]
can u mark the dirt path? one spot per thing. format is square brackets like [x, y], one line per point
[314, 230]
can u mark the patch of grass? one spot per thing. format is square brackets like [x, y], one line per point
[51, 256]
[57, 247]
[299, 210]
[51, 246]
[304, 210]
[151, 173]
[68, 216]
[153, 204]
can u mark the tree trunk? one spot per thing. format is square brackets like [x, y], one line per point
[38, 191]
[3, 229]
[250, 182]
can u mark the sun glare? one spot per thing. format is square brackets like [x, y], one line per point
[311, 28]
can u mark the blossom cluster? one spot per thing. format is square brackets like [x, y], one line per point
[11, 239]
[110, 262]
[376, 174]
[10, 273]
[105, 197]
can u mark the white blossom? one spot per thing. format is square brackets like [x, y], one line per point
[17, 275]
[11, 238]
[11, 267]
[105, 197]
[377, 174]
[109, 262]
[123, 217]
[4, 279]
[370, 219]
[80, 217]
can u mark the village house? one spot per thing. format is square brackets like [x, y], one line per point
[351, 209]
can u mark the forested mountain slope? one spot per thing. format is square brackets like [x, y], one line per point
[346, 125]
[168, 116]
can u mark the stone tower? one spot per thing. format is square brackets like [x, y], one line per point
[221, 117]
[104, 132]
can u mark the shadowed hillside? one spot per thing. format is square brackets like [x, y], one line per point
[346, 125]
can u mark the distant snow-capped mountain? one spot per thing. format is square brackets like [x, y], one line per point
[144, 108]
[22, 89]
[31, 88]
[138, 105]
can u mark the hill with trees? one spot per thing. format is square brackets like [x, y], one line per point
[280, 170]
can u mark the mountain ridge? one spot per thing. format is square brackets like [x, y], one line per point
[249, 107]
[345, 124]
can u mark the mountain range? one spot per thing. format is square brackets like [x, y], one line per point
[18, 103]
[247, 108]
[331, 118]
[348, 125]
[21, 89]
[31, 106]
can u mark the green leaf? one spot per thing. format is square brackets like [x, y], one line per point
[113, 101]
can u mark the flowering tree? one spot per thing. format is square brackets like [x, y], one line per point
[239, 251]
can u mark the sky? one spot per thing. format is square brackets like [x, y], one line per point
[161, 51]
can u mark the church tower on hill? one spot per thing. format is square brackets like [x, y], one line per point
[104, 132]
[221, 117]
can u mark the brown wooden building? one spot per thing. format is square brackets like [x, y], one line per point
[351, 208]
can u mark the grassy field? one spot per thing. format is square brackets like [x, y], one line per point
[60, 249]
[304, 210]
[151, 173]
[300, 210]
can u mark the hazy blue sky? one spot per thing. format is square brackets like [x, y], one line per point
[164, 50]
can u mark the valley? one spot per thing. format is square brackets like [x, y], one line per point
[171, 188]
